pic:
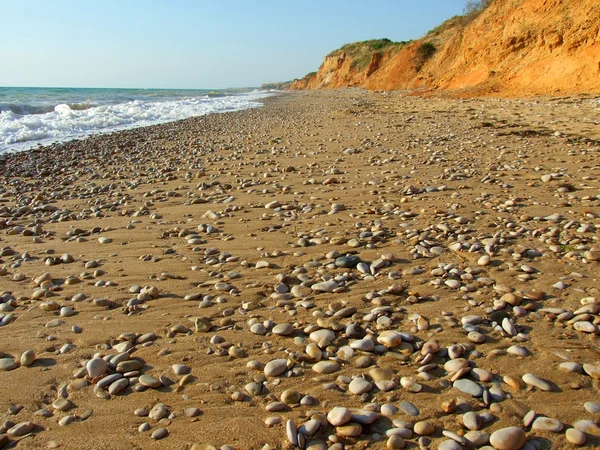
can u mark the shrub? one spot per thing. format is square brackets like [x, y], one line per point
[426, 51]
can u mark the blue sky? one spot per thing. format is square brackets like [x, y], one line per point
[193, 44]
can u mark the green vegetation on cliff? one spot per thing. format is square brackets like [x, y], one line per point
[362, 52]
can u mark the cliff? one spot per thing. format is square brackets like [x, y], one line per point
[512, 47]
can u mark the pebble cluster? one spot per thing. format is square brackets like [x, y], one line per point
[336, 270]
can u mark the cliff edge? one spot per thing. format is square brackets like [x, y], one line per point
[511, 47]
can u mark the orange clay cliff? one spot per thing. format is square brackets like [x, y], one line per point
[511, 48]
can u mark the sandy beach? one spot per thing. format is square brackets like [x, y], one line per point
[428, 265]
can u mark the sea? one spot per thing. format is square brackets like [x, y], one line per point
[35, 115]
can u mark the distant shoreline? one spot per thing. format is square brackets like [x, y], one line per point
[6, 156]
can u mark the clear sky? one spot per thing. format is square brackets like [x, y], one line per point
[193, 43]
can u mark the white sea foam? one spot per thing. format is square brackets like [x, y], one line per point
[18, 132]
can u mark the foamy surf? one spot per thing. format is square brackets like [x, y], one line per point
[23, 131]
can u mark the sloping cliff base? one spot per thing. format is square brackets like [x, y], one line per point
[345, 269]
[512, 48]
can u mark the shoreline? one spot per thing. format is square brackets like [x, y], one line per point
[411, 259]
[50, 141]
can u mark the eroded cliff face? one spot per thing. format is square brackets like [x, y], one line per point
[514, 47]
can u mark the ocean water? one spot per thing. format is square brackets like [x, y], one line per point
[31, 116]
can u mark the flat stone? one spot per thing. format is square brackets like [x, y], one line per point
[363, 416]
[592, 407]
[20, 429]
[408, 408]
[108, 380]
[322, 335]
[283, 329]
[325, 286]
[291, 432]
[275, 368]
[347, 262]
[62, 404]
[547, 424]
[7, 364]
[593, 370]
[118, 386]
[468, 387]
[326, 367]
[149, 381]
[477, 438]
[537, 382]
[159, 433]
[349, 430]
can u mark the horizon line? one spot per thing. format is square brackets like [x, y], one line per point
[139, 88]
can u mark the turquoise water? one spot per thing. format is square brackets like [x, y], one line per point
[29, 116]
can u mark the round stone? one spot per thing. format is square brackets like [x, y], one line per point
[395, 442]
[96, 367]
[424, 428]
[472, 421]
[290, 397]
[339, 416]
[449, 444]
[359, 386]
[180, 369]
[28, 358]
[575, 437]
[510, 438]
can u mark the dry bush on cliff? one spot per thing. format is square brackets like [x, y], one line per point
[473, 8]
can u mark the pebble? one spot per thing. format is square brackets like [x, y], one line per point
[28, 358]
[424, 428]
[275, 368]
[7, 364]
[575, 436]
[96, 367]
[510, 438]
[159, 433]
[547, 424]
[339, 416]
[326, 367]
[468, 387]
[537, 382]
[359, 386]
